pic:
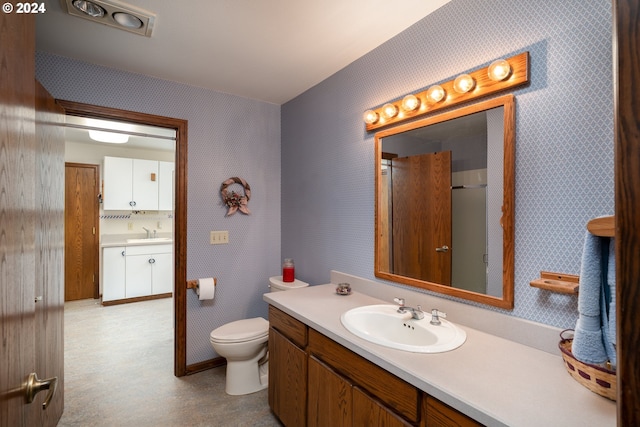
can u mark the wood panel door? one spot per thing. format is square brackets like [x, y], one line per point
[421, 198]
[31, 223]
[81, 262]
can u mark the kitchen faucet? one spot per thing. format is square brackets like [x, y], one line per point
[148, 232]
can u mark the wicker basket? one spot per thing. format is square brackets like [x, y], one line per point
[597, 379]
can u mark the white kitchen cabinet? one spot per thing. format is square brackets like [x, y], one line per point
[136, 271]
[149, 270]
[113, 273]
[165, 185]
[130, 184]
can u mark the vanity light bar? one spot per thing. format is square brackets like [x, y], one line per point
[483, 82]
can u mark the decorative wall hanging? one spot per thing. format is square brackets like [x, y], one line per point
[233, 200]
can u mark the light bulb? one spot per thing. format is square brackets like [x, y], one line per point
[436, 93]
[410, 103]
[463, 83]
[389, 111]
[499, 70]
[370, 117]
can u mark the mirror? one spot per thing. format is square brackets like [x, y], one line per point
[445, 202]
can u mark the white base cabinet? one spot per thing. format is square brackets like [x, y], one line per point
[137, 271]
[113, 273]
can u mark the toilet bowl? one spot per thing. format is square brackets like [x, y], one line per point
[244, 344]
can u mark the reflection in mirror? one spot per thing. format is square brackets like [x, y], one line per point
[444, 203]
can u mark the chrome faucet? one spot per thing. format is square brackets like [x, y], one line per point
[154, 234]
[416, 313]
[148, 232]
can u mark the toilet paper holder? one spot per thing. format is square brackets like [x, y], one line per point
[193, 284]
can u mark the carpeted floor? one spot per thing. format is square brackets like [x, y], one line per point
[119, 372]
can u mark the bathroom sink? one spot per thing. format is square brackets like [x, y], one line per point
[151, 240]
[382, 324]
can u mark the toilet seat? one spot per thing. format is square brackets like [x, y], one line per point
[241, 331]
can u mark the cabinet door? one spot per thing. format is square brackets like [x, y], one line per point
[287, 380]
[138, 276]
[367, 411]
[118, 183]
[113, 273]
[330, 397]
[145, 184]
[162, 274]
[165, 186]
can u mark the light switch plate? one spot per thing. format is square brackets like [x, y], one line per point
[219, 237]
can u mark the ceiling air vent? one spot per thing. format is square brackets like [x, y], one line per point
[113, 14]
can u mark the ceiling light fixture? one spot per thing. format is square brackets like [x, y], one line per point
[114, 14]
[127, 20]
[108, 137]
[89, 8]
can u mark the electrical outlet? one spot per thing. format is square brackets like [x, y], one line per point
[159, 225]
[219, 237]
[130, 226]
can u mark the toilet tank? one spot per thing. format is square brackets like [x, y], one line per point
[276, 284]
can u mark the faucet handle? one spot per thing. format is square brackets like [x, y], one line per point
[399, 301]
[436, 315]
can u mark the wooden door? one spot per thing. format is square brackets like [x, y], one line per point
[50, 249]
[421, 199]
[81, 262]
[31, 222]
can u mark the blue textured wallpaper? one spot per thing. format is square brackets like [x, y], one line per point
[228, 136]
[564, 143]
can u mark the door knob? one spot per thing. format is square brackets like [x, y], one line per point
[34, 386]
[444, 248]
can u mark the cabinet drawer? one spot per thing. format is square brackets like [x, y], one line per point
[397, 394]
[291, 328]
[436, 413]
[149, 249]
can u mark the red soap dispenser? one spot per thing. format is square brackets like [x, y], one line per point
[288, 270]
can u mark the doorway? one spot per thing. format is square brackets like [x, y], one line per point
[179, 213]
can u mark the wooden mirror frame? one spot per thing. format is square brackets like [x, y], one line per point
[508, 211]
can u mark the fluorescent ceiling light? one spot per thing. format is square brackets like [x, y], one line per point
[109, 137]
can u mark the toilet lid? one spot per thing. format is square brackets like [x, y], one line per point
[241, 330]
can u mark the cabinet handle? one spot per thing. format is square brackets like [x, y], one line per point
[444, 248]
[132, 203]
[123, 254]
[152, 261]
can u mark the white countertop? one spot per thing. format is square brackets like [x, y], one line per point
[114, 240]
[491, 379]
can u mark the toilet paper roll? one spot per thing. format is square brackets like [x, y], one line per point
[206, 288]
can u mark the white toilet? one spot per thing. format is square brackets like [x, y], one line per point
[244, 344]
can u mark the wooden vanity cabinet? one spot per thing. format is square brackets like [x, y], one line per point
[316, 382]
[287, 368]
